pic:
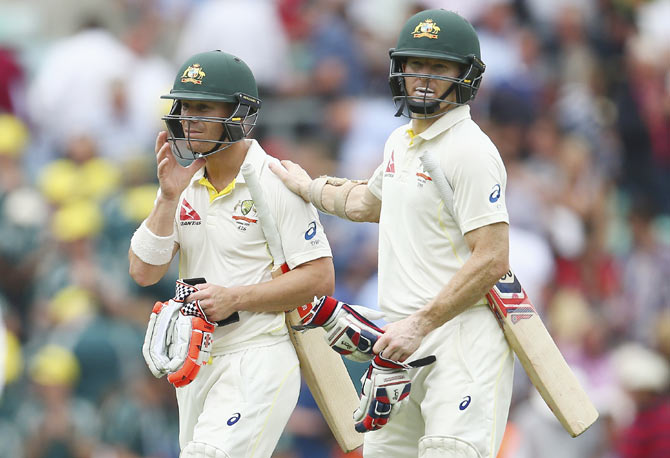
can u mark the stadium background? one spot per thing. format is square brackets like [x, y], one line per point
[576, 96]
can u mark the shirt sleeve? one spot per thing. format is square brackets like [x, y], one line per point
[376, 179]
[478, 178]
[302, 236]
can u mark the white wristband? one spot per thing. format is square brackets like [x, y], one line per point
[151, 248]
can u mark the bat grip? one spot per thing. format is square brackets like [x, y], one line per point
[233, 318]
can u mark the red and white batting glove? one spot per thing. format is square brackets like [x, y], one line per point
[176, 344]
[179, 337]
[191, 346]
[349, 328]
[155, 347]
[386, 386]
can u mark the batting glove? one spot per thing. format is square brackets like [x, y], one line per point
[386, 387]
[155, 347]
[179, 336]
[191, 345]
[349, 328]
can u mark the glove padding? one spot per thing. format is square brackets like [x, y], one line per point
[156, 342]
[386, 387]
[179, 337]
[192, 339]
[349, 329]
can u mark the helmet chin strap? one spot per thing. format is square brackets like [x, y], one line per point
[217, 146]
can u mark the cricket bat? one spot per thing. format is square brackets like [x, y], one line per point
[322, 368]
[528, 337]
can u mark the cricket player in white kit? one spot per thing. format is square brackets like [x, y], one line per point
[435, 263]
[238, 404]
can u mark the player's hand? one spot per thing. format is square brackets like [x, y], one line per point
[349, 328]
[217, 302]
[294, 177]
[386, 386]
[401, 338]
[172, 176]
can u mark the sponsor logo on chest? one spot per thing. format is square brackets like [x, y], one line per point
[390, 167]
[187, 215]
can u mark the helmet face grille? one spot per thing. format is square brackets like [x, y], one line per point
[236, 127]
[465, 87]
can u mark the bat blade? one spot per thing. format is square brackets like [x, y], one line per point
[527, 335]
[322, 369]
[328, 381]
[540, 357]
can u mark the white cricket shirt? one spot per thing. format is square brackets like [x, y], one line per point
[421, 246]
[220, 239]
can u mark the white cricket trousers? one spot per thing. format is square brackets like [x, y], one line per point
[238, 406]
[458, 406]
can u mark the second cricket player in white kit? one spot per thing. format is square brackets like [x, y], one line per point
[435, 264]
[421, 247]
[238, 403]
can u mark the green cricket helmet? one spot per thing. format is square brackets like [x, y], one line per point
[213, 76]
[436, 34]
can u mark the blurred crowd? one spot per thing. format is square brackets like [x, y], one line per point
[576, 96]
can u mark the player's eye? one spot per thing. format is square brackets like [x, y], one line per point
[415, 65]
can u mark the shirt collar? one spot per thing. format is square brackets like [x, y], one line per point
[255, 156]
[446, 121]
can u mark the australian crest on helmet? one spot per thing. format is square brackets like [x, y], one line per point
[193, 74]
[427, 28]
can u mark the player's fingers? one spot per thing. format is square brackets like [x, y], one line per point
[394, 354]
[164, 152]
[380, 345]
[277, 167]
[203, 286]
[161, 138]
[195, 296]
[402, 356]
[162, 165]
[278, 170]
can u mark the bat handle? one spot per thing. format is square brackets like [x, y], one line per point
[234, 318]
